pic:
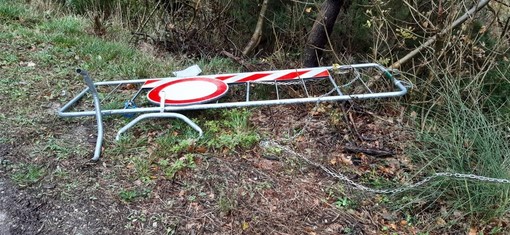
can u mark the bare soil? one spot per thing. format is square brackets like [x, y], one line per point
[249, 191]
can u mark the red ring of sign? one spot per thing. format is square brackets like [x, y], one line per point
[221, 89]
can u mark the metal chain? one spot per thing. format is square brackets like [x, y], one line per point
[361, 187]
[358, 186]
[298, 82]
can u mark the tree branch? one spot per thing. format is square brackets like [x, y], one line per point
[257, 34]
[460, 20]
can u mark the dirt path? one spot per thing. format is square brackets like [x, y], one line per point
[28, 212]
[36, 210]
[18, 211]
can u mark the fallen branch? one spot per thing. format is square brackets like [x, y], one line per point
[369, 151]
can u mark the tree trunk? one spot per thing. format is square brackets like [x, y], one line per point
[320, 32]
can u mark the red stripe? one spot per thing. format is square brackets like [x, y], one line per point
[253, 77]
[223, 78]
[151, 81]
[292, 75]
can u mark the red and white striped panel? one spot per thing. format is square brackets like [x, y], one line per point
[278, 75]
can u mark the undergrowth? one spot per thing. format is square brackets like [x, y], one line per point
[464, 123]
[465, 140]
[463, 132]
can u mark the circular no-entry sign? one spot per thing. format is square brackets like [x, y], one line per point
[188, 91]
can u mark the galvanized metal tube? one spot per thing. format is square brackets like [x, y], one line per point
[162, 101]
[247, 91]
[97, 105]
[244, 104]
[397, 83]
[61, 111]
[159, 115]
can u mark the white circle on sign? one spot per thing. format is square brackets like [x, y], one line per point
[188, 90]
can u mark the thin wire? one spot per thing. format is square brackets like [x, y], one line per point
[110, 93]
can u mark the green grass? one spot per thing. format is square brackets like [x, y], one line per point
[27, 174]
[10, 12]
[463, 138]
[65, 41]
[182, 163]
[67, 25]
[131, 195]
[172, 141]
[58, 149]
[230, 131]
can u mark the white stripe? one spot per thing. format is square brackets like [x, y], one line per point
[238, 76]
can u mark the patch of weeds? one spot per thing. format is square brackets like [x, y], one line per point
[236, 118]
[59, 148]
[274, 150]
[232, 140]
[133, 194]
[347, 230]
[172, 144]
[60, 173]
[116, 104]
[375, 180]
[44, 58]
[59, 151]
[27, 174]
[15, 91]
[226, 203]
[170, 169]
[336, 194]
[231, 131]
[142, 168]
[127, 145]
[192, 198]
[169, 138]
[69, 190]
[263, 185]
[293, 165]
[342, 202]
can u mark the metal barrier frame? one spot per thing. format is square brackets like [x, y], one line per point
[169, 111]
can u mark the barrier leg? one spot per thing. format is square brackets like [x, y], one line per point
[159, 115]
